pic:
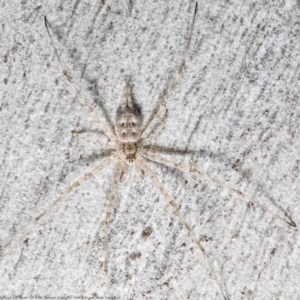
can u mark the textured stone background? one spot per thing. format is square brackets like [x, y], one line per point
[235, 113]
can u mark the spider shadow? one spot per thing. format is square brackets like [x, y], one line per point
[94, 89]
[76, 57]
[222, 158]
[82, 162]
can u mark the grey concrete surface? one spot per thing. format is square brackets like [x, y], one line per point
[235, 113]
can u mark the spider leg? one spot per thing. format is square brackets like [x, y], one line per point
[116, 180]
[165, 100]
[105, 128]
[154, 138]
[109, 145]
[158, 158]
[89, 175]
[153, 177]
[125, 171]
[138, 169]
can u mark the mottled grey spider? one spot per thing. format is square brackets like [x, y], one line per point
[129, 145]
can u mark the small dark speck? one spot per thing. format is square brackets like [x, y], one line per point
[236, 164]
[135, 256]
[5, 81]
[205, 239]
[56, 81]
[47, 107]
[273, 251]
[48, 65]
[146, 232]
[186, 182]
[24, 75]
[26, 241]
[5, 59]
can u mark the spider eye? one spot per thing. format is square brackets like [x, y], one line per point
[122, 123]
[132, 123]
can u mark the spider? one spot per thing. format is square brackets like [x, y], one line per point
[130, 145]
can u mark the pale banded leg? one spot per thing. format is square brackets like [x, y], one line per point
[138, 169]
[154, 139]
[125, 171]
[158, 158]
[127, 97]
[104, 164]
[105, 128]
[109, 145]
[153, 177]
[112, 199]
[165, 100]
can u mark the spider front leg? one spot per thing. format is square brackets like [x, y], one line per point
[89, 175]
[112, 199]
[150, 142]
[158, 158]
[105, 128]
[162, 107]
[153, 177]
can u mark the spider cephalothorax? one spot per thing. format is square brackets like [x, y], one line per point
[129, 152]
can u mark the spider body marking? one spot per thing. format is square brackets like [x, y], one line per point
[128, 131]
